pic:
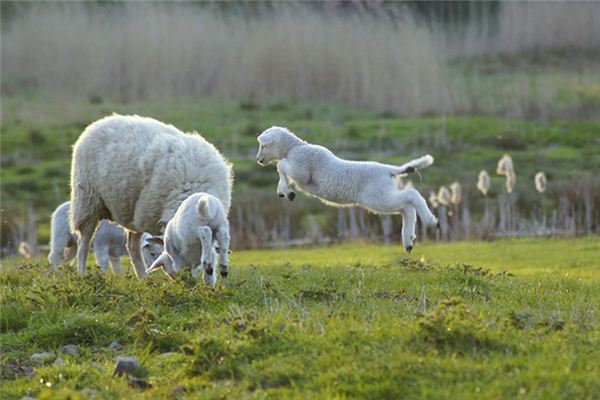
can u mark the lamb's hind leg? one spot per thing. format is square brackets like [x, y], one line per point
[409, 222]
[394, 201]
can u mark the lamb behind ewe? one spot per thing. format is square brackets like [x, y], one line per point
[319, 173]
[136, 171]
[108, 243]
[190, 238]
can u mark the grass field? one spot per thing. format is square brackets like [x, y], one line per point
[502, 319]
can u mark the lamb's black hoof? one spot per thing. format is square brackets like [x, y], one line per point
[408, 170]
[281, 194]
[224, 274]
[409, 249]
[208, 269]
[291, 196]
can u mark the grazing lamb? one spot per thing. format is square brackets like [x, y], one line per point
[136, 172]
[108, 243]
[319, 173]
[190, 237]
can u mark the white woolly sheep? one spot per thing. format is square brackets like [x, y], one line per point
[199, 223]
[108, 243]
[456, 193]
[317, 172]
[136, 172]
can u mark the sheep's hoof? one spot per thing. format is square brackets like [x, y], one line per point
[409, 249]
[291, 196]
[208, 269]
[224, 274]
[408, 170]
[438, 225]
[281, 194]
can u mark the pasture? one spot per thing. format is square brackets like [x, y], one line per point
[515, 318]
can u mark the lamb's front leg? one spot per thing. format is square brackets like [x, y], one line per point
[283, 187]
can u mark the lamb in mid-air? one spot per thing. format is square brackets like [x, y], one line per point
[317, 172]
[136, 172]
[199, 224]
[108, 242]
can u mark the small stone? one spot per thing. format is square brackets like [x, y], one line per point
[42, 358]
[115, 345]
[70, 349]
[128, 366]
[97, 367]
[89, 392]
[138, 383]
[59, 362]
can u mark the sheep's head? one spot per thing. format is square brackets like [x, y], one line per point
[271, 145]
[165, 262]
[152, 247]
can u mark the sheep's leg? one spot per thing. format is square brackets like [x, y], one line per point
[223, 240]
[283, 186]
[397, 201]
[409, 222]
[101, 253]
[133, 248]
[205, 235]
[115, 263]
[83, 244]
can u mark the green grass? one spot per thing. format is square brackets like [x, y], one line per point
[503, 319]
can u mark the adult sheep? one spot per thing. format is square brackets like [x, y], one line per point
[136, 171]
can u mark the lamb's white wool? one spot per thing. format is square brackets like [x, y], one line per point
[443, 196]
[199, 223]
[63, 242]
[483, 182]
[136, 171]
[540, 182]
[317, 172]
[456, 193]
[108, 242]
[152, 247]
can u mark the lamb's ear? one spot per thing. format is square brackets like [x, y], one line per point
[265, 139]
[158, 263]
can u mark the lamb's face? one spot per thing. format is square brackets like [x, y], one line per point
[268, 149]
[165, 262]
[152, 247]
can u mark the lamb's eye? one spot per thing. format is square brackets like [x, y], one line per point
[153, 254]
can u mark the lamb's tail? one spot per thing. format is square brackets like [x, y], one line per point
[412, 166]
[204, 207]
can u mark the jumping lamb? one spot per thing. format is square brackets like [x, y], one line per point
[317, 172]
[136, 172]
[108, 243]
[191, 237]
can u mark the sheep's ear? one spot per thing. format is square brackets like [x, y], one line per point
[266, 139]
[158, 263]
